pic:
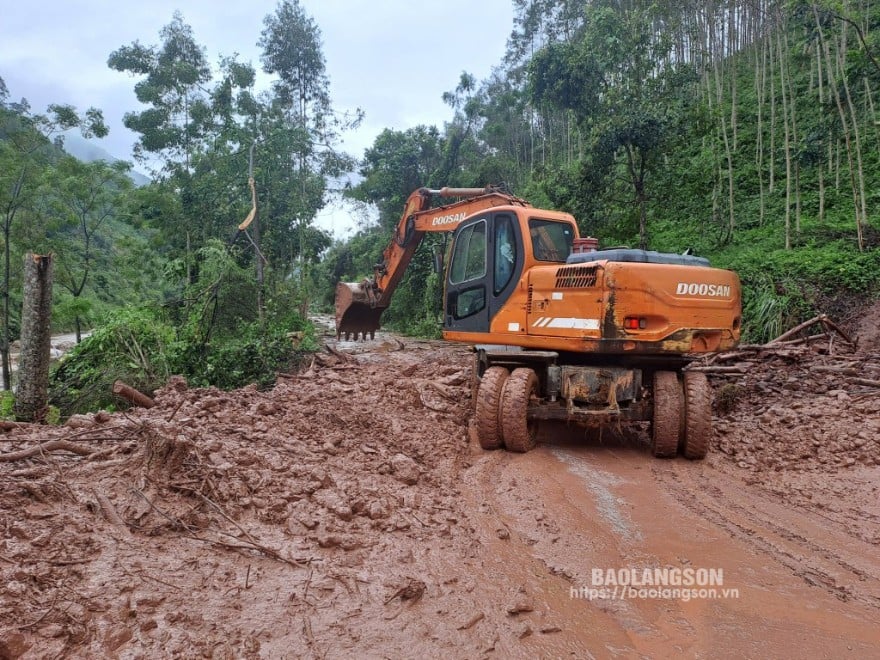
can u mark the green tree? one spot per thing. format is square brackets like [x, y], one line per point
[617, 81]
[26, 151]
[172, 85]
[79, 200]
[302, 131]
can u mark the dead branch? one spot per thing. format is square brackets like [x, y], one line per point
[474, 620]
[833, 326]
[801, 326]
[53, 445]
[845, 371]
[865, 381]
[720, 370]
[110, 512]
[342, 356]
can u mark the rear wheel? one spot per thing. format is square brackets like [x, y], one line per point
[668, 408]
[520, 434]
[489, 405]
[698, 415]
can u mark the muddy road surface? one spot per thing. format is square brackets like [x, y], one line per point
[349, 512]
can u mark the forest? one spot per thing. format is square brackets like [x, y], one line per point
[743, 130]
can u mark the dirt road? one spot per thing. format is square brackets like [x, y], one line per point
[350, 511]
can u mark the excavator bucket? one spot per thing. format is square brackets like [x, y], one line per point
[355, 313]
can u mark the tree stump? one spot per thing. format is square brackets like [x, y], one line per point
[32, 395]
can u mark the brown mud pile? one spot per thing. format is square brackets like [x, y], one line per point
[349, 511]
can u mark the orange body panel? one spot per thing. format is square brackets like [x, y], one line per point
[582, 307]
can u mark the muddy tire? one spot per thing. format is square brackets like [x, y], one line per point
[520, 434]
[698, 415]
[489, 406]
[668, 411]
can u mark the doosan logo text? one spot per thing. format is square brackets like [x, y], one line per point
[694, 289]
[448, 219]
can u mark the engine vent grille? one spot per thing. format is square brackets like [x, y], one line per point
[529, 300]
[576, 277]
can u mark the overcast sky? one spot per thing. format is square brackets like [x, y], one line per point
[391, 58]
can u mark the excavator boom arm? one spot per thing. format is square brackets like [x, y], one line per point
[359, 306]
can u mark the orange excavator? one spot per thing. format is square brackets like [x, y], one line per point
[561, 329]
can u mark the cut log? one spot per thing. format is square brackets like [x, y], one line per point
[130, 394]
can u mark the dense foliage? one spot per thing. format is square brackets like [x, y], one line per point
[745, 130]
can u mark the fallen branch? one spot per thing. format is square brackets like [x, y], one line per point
[865, 381]
[131, 395]
[828, 323]
[53, 445]
[719, 370]
[845, 371]
[342, 356]
[474, 620]
[110, 512]
[796, 329]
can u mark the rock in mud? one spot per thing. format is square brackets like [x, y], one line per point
[405, 469]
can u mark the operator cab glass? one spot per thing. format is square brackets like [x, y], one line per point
[551, 240]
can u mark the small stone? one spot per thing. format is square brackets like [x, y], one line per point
[405, 469]
[377, 510]
[116, 638]
[15, 589]
[329, 540]
[13, 645]
[52, 630]
[520, 605]
[503, 533]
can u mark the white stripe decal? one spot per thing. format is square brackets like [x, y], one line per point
[573, 324]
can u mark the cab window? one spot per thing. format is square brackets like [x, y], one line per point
[505, 252]
[551, 240]
[469, 255]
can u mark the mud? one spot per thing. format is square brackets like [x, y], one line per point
[350, 512]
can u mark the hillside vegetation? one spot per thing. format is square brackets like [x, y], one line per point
[744, 130]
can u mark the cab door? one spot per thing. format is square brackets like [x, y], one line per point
[485, 265]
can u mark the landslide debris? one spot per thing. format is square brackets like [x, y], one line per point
[156, 530]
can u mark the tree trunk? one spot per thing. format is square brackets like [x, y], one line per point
[783, 84]
[823, 44]
[32, 396]
[7, 375]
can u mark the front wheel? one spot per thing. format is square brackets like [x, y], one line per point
[489, 406]
[520, 434]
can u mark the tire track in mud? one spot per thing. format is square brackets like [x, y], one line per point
[816, 563]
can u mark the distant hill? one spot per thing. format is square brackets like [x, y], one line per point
[87, 151]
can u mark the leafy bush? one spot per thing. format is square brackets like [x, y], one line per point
[254, 355]
[131, 345]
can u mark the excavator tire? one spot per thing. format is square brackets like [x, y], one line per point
[489, 407]
[519, 433]
[698, 415]
[668, 410]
